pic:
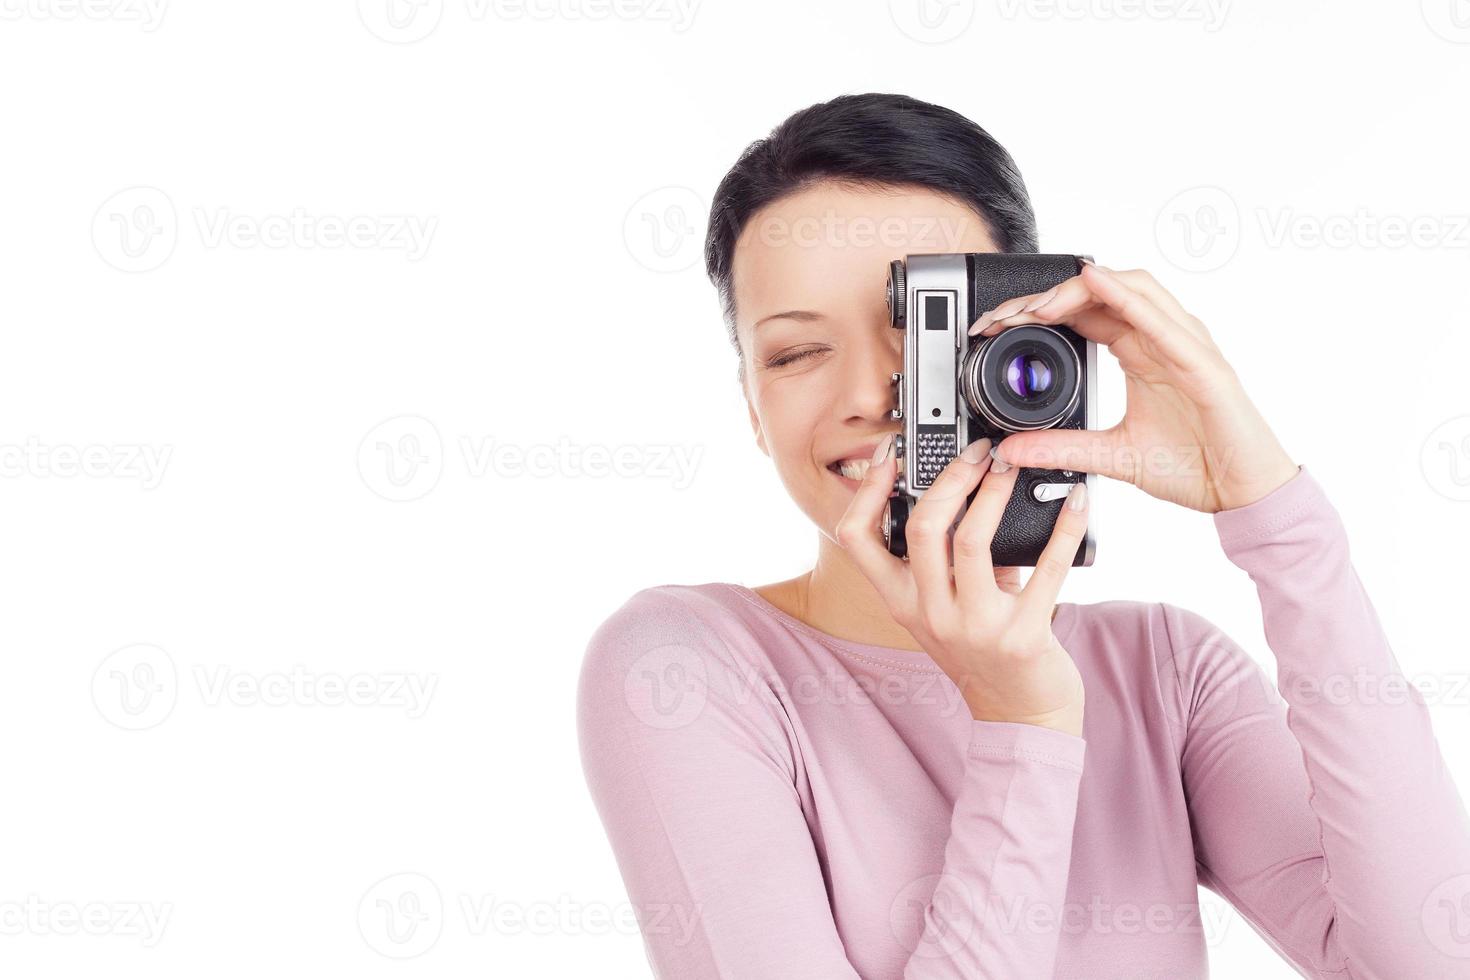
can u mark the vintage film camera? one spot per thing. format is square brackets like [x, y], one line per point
[955, 388]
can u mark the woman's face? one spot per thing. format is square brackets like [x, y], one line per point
[810, 277]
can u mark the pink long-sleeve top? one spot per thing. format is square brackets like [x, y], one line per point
[783, 803]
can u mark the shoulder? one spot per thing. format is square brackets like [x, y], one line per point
[673, 635]
[693, 615]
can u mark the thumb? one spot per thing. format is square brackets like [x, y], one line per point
[1082, 450]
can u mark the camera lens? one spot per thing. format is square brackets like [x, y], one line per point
[1027, 377]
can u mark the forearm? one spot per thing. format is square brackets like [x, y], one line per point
[1394, 829]
[996, 910]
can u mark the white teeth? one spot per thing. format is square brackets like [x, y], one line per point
[854, 469]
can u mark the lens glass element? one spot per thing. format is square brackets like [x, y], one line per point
[1028, 376]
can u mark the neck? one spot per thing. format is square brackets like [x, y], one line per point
[836, 598]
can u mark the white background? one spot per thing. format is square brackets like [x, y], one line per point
[174, 174]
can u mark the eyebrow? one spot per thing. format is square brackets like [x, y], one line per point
[805, 316]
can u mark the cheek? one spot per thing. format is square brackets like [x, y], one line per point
[791, 411]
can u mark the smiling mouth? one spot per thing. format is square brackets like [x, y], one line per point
[852, 469]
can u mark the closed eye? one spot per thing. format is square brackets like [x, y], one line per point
[790, 356]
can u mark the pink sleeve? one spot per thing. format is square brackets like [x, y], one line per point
[1332, 825]
[690, 762]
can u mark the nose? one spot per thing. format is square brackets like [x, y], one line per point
[868, 374]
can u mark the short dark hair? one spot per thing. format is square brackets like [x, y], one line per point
[874, 139]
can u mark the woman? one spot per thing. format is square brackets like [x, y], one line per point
[920, 769]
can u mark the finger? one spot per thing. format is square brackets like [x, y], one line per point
[1008, 579]
[1187, 352]
[1081, 450]
[859, 532]
[1055, 561]
[1176, 344]
[974, 573]
[1144, 282]
[1067, 293]
[1072, 303]
[928, 527]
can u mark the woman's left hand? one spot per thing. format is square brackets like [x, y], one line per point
[1189, 433]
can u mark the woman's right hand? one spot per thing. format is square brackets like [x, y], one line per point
[996, 645]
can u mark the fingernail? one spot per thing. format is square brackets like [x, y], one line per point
[997, 465]
[976, 451]
[1008, 308]
[1077, 496]
[1041, 300]
[880, 455]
